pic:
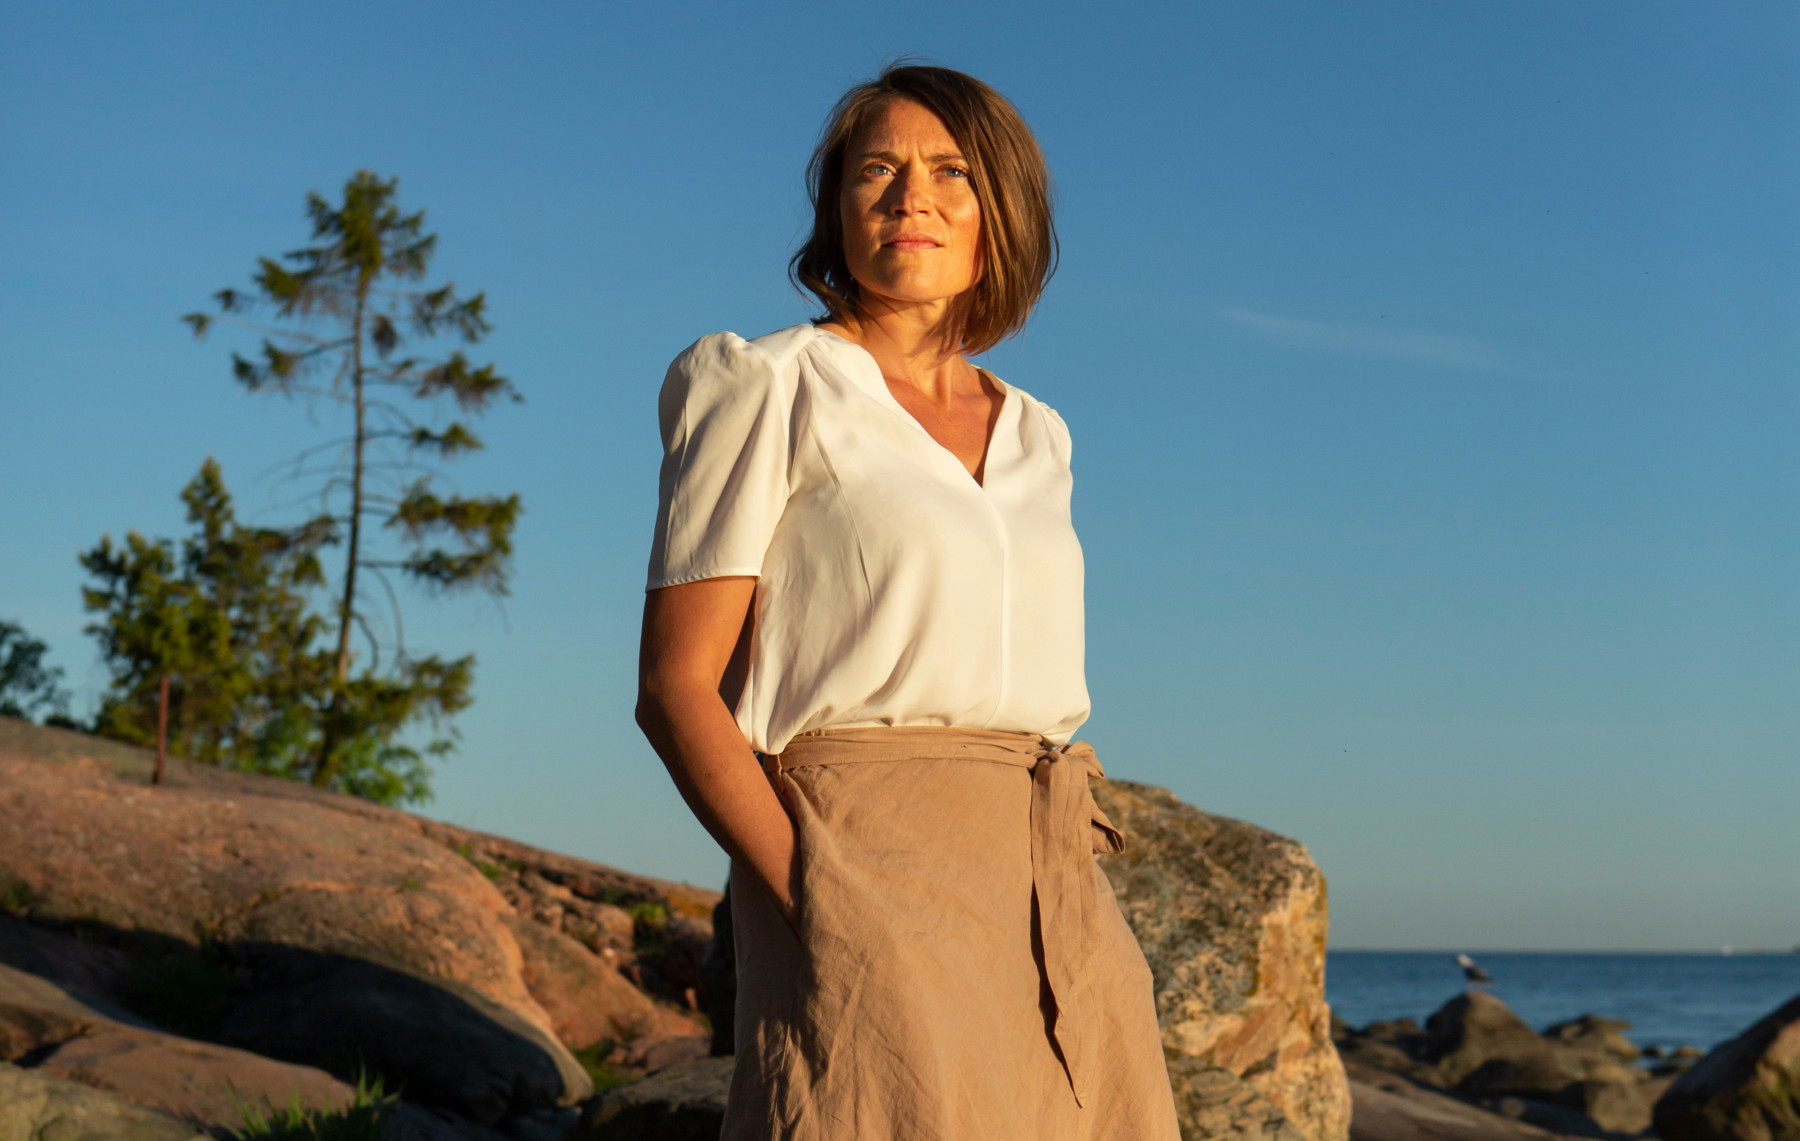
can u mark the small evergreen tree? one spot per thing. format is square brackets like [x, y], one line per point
[225, 619]
[27, 686]
[337, 321]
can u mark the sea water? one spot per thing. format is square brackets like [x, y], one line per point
[1670, 1000]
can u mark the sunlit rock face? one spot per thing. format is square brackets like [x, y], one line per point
[1232, 918]
[1747, 1089]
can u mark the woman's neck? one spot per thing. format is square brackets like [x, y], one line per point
[913, 345]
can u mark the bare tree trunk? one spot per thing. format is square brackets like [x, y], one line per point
[326, 767]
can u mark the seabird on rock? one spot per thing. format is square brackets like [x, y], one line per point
[1473, 971]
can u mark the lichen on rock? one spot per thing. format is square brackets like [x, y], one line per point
[1232, 919]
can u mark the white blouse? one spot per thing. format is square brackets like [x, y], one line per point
[892, 588]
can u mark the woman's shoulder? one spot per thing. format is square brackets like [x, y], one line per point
[1035, 413]
[729, 354]
[724, 370]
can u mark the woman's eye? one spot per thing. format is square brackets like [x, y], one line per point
[958, 171]
[876, 169]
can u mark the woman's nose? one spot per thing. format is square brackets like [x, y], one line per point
[911, 191]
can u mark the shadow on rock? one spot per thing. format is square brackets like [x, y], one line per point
[431, 1042]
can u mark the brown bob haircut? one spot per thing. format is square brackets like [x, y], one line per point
[1012, 184]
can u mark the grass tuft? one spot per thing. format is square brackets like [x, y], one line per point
[594, 1062]
[649, 925]
[361, 1120]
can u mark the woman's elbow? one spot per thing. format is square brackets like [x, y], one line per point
[651, 712]
[662, 697]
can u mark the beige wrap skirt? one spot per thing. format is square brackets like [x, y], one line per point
[957, 968]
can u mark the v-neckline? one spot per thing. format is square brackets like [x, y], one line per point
[884, 393]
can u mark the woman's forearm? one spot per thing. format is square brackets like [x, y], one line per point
[700, 744]
[691, 632]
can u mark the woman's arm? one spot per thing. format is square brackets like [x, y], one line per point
[690, 633]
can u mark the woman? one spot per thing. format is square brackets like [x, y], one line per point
[864, 577]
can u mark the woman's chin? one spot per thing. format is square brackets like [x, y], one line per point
[910, 294]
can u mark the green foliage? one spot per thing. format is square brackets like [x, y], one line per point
[27, 686]
[489, 868]
[339, 321]
[595, 1061]
[649, 925]
[16, 897]
[187, 992]
[225, 618]
[362, 1120]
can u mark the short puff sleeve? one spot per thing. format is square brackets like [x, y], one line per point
[724, 412]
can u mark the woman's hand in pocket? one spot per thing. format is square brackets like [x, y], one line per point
[690, 635]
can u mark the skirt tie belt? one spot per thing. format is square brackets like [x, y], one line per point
[1067, 829]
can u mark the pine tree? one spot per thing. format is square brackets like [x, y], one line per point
[27, 685]
[226, 619]
[338, 322]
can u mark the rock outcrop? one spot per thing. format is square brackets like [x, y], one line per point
[1221, 1106]
[1387, 1107]
[1233, 921]
[1747, 1089]
[264, 919]
[1577, 1078]
[1591, 1032]
[38, 1107]
[684, 1102]
[1394, 1046]
[199, 1082]
[299, 926]
[1488, 1052]
[1474, 1030]
[337, 921]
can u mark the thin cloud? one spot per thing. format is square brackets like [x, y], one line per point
[1365, 340]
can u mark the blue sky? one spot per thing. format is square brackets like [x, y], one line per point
[1431, 368]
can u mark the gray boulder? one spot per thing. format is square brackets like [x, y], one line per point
[1747, 1089]
[1548, 1116]
[1476, 1028]
[1620, 1103]
[1232, 919]
[1575, 1079]
[1387, 1107]
[1525, 1076]
[685, 1102]
[1489, 1054]
[1394, 1046]
[1600, 1035]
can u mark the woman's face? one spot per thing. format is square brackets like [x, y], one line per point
[912, 224]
